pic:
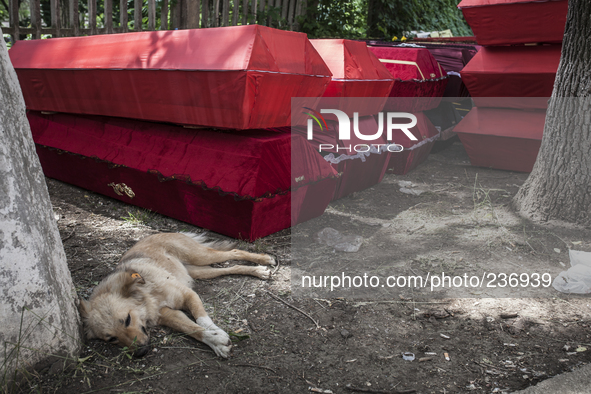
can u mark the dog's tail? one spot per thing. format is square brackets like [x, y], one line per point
[214, 244]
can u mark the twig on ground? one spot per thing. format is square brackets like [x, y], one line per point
[416, 229]
[253, 366]
[67, 237]
[366, 390]
[294, 307]
[276, 266]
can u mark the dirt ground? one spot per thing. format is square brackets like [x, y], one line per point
[328, 342]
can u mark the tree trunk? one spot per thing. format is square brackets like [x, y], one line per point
[559, 187]
[37, 299]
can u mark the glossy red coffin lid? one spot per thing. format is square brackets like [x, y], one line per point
[244, 185]
[518, 71]
[356, 72]
[505, 139]
[502, 22]
[409, 64]
[239, 77]
[416, 74]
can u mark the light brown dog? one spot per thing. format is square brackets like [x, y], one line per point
[153, 284]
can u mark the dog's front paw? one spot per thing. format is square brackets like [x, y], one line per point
[215, 337]
[263, 273]
[219, 341]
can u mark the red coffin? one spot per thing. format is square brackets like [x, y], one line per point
[416, 74]
[505, 139]
[358, 164]
[501, 22]
[240, 185]
[522, 71]
[356, 72]
[239, 77]
[415, 152]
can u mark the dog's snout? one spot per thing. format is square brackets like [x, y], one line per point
[141, 352]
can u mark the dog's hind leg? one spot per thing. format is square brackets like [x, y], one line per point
[218, 256]
[204, 330]
[210, 272]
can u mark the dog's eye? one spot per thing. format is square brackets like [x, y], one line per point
[112, 339]
[128, 320]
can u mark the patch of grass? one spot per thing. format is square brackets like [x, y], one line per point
[138, 217]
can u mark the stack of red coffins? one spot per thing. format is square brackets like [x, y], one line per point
[237, 182]
[356, 73]
[419, 85]
[506, 133]
[509, 22]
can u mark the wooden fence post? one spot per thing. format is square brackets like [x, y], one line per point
[151, 15]
[261, 11]
[108, 7]
[92, 17]
[123, 16]
[74, 17]
[164, 15]
[36, 18]
[13, 19]
[184, 14]
[193, 7]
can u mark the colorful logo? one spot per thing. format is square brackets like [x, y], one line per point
[316, 117]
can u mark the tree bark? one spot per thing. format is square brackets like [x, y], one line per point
[37, 299]
[559, 187]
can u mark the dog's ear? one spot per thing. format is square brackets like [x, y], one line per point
[84, 308]
[130, 282]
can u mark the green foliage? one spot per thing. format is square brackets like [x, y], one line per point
[391, 18]
[335, 19]
[3, 11]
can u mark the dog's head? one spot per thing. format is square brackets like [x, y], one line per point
[116, 312]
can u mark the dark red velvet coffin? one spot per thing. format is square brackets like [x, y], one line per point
[415, 152]
[416, 74]
[239, 77]
[505, 139]
[241, 185]
[356, 72]
[502, 22]
[359, 165]
[518, 71]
